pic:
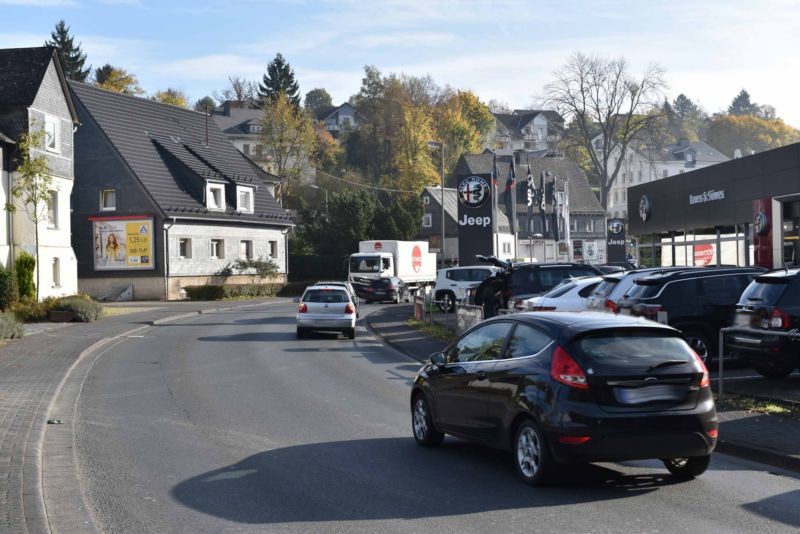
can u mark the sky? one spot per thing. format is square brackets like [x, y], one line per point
[501, 49]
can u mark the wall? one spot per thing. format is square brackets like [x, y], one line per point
[5, 242]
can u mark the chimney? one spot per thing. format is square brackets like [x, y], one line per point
[683, 141]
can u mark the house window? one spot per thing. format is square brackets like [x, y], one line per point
[260, 151]
[217, 249]
[273, 249]
[56, 266]
[245, 250]
[215, 197]
[246, 149]
[52, 210]
[427, 220]
[573, 225]
[426, 200]
[245, 199]
[254, 128]
[589, 225]
[506, 248]
[51, 141]
[184, 248]
[108, 200]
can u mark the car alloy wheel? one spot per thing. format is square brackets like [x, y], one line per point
[447, 302]
[424, 431]
[531, 454]
[687, 467]
[698, 344]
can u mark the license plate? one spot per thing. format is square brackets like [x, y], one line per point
[649, 394]
[741, 320]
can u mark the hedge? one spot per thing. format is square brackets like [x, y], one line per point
[85, 309]
[9, 291]
[227, 291]
[314, 267]
[25, 267]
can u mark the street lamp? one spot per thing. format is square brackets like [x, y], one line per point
[440, 146]
[326, 195]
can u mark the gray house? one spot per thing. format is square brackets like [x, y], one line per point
[163, 200]
[34, 96]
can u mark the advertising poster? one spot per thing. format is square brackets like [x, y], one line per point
[122, 244]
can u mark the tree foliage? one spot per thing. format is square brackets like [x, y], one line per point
[71, 56]
[462, 124]
[205, 104]
[741, 105]
[117, 79]
[173, 97]
[748, 133]
[279, 79]
[239, 90]
[606, 102]
[317, 98]
[411, 153]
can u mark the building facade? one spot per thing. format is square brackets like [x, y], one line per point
[526, 130]
[34, 96]
[338, 119]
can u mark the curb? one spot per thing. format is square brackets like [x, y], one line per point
[396, 346]
[759, 455]
[34, 505]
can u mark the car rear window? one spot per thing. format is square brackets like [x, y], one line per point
[523, 281]
[642, 291]
[764, 290]
[632, 349]
[559, 290]
[325, 295]
[605, 288]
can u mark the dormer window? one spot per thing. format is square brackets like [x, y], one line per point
[255, 128]
[215, 197]
[244, 196]
[689, 155]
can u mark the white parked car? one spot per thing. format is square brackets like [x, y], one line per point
[326, 308]
[453, 283]
[570, 295]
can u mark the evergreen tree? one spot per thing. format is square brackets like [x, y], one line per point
[279, 79]
[205, 103]
[741, 105]
[317, 98]
[684, 107]
[71, 56]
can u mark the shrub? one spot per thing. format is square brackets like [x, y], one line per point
[10, 328]
[85, 309]
[26, 266]
[29, 311]
[230, 291]
[294, 289]
[9, 291]
[207, 292]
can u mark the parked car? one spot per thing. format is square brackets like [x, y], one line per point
[326, 308]
[609, 269]
[570, 387]
[386, 289]
[453, 284]
[532, 279]
[350, 289]
[698, 301]
[614, 286]
[570, 295]
[771, 303]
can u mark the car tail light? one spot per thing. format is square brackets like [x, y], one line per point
[713, 433]
[610, 305]
[566, 370]
[303, 308]
[573, 440]
[519, 304]
[649, 311]
[349, 309]
[779, 319]
[704, 380]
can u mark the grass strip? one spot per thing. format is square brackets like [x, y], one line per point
[755, 405]
[434, 330]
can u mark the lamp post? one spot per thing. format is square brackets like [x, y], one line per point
[313, 186]
[440, 146]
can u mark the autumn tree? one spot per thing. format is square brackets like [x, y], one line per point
[607, 104]
[32, 184]
[117, 79]
[462, 124]
[411, 154]
[748, 133]
[240, 91]
[173, 97]
[71, 56]
[279, 79]
[289, 139]
[317, 98]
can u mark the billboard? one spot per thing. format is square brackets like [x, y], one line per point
[123, 243]
[475, 234]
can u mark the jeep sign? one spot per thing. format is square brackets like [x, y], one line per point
[474, 219]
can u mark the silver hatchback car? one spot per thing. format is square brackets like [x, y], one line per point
[326, 308]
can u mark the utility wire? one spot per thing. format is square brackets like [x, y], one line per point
[364, 185]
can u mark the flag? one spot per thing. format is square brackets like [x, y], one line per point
[509, 195]
[542, 213]
[531, 193]
[565, 215]
[554, 212]
[495, 229]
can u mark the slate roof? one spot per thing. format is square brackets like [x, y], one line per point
[704, 153]
[581, 197]
[21, 73]
[237, 121]
[165, 148]
[516, 121]
[6, 139]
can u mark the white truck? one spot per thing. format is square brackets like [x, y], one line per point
[408, 260]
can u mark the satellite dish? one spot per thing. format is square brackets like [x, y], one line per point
[737, 154]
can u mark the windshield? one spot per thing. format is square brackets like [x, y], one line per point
[365, 264]
[633, 349]
[765, 290]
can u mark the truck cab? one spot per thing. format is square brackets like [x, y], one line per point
[366, 266]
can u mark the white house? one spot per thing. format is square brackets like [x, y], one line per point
[525, 130]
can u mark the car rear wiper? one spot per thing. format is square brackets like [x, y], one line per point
[666, 363]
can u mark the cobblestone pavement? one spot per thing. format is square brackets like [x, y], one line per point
[31, 370]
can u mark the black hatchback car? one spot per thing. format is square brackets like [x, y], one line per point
[385, 289]
[570, 387]
[770, 304]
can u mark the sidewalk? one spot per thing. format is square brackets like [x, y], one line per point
[769, 439]
[31, 370]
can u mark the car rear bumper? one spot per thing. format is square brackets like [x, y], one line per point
[765, 348]
[322, 322]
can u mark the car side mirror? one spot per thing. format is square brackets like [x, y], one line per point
[296, 299]
[437, 359]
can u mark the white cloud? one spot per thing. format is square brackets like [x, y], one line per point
[402, 39]
[22, 40]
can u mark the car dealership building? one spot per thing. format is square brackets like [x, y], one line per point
[744, 211]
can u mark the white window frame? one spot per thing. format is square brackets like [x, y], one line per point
[103, 206]
[52, 222]
[210, 203]
[248, 255]
[426, 200]
[187, 254]
[220, 249]
[242, 189]
[273, 249]
[427, 220]
[56, 272]
[52, 122]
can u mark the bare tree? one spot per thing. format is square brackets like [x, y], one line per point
[606, 104]
[238, 90]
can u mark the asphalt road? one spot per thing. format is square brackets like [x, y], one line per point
[226, 422]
